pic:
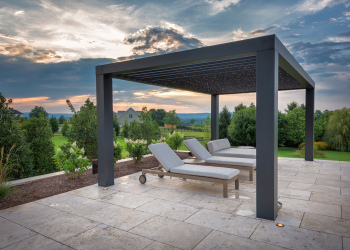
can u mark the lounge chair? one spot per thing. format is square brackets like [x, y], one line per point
[219, 161]
[172, 165]
[222, 147]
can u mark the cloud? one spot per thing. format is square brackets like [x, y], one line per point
[18, 13]
[291, 36]
[38, 56]
[262, 31]
[313, 6]
[217, 6]
[240, 34]
[159, 40]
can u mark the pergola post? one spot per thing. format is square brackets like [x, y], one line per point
[266, 134]
[214, 117]
[309, 124]
[105, 130]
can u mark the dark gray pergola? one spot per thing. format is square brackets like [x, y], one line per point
[262, 65]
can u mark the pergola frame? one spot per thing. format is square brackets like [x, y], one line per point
[262, 65]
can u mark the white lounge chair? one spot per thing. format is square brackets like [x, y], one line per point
[228, 162]
[172, 165]
[222, 147]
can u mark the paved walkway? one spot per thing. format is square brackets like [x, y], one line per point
[175, 214]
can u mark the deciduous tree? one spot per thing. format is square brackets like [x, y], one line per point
[38, 110]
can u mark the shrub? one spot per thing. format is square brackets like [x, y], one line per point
[5, 166]
[146, 129]
[174, 140]
[116, 125]
[83, 128]
[126, 129]
[319, 144]
[317, 153]
[39, 135]
[136, 149]
[11, 133]
[117, 147]
[65, 128]
[73, 163]
[54, 124]
[243, 126]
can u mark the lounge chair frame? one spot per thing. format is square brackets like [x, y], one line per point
[160, 171]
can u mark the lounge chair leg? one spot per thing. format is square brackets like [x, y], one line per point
[225, 186]
[251, 175]
[237, 183]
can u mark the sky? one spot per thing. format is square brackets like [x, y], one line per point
[49, 49]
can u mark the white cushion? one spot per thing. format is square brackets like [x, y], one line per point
[206, 171]
[165, 155]
[217, 145]
[231, 161]
[236, 152]
[197, 149]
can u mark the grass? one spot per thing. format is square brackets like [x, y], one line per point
[59, 140]
[282, 151]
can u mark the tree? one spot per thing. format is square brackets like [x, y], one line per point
[12, 134]
[337, 132]
[243, 126]
[39, 135]
[158, 115]
[282, 123]
[206, 126]
[126, 129]
[192, 121]
[38, 110]
[240, 107]
[171, 118]
[146, 129]
[83, 128]
[224, 122]
[295, 127]
[65, 128]
[116, 125]
[54, 124]
[61, 119]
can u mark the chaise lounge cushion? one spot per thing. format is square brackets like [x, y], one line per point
[236, 152]
[231, 161]
[217, 145]
[165, 155]
[197, 149]
[206, 171]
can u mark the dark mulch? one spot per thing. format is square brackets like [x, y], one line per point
[47, 187]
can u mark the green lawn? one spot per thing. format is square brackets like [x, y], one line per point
[282, 151]
[59, 140]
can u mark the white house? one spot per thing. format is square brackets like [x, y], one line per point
[129, 115]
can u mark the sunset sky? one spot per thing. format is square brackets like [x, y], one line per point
[49, 49]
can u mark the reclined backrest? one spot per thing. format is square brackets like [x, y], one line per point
[217, 145]
[197, 149]
[165, 155]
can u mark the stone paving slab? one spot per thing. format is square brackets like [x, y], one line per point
[171, 213]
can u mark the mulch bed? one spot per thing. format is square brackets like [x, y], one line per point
[47, 187]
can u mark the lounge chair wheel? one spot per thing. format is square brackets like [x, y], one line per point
[161, 175]
[142, 179]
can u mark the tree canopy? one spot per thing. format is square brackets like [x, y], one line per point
[338, 130]
[38, 110]
[172, 118]
[54, 124]
[158, 115]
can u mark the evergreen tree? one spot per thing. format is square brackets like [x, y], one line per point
[54, 124]
[61, 119]
[224, 122]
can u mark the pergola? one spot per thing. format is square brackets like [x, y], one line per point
[262, 65]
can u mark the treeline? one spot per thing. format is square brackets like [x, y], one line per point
[332, 127]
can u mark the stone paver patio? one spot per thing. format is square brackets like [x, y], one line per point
[175, 214]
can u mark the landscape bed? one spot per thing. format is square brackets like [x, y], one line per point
[47, 187]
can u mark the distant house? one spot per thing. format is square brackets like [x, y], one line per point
[129, 115]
